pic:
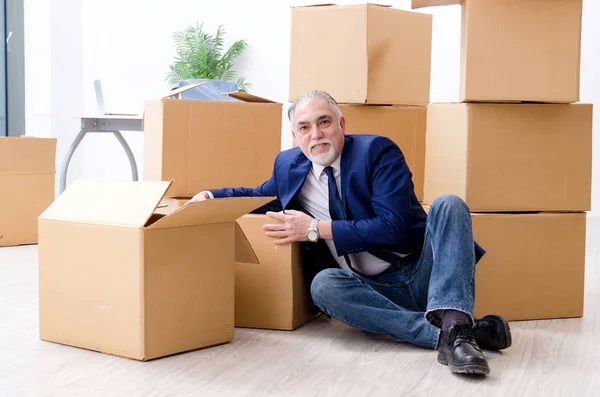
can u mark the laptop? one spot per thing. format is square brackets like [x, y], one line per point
[100, 102]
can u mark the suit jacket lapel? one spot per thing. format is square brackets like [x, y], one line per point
[296, 177]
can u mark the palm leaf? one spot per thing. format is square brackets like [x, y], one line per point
[199, 56]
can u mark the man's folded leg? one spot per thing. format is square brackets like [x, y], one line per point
[444, 283]
[351, 300]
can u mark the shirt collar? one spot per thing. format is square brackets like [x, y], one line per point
[318, 169]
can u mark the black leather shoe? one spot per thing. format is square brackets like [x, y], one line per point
[492, 333]
[459, 351]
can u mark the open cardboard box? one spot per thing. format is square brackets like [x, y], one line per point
[204, 144]
[270, 287]
[116, 277]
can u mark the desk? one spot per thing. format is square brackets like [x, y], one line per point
[111, 124]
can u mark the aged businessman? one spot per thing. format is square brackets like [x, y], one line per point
[397, 270]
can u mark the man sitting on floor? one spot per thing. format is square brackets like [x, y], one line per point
[397, 271]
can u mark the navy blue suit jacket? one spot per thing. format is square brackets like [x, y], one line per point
[378, 196]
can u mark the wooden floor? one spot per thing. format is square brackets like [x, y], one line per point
[323, 358]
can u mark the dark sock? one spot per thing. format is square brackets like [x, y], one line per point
[453, 317]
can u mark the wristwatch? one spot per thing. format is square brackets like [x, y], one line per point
[313, 231]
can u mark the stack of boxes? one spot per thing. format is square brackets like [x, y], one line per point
[125, 268]
[376, 62]
[518, 150]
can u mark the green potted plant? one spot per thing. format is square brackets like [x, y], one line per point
[200, 56]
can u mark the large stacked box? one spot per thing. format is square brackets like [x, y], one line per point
[517, 149]
[376, 62]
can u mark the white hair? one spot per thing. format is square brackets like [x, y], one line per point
[314, 94]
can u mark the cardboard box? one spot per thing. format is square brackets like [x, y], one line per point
[405, 125]
[534, 266]
[170, 204]
[519, 50]
[361, 54]
[116, 278]
[27, 171]
[510, 157]
[200, 144]
[270, 288]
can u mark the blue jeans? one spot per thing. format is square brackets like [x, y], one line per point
[408, 303]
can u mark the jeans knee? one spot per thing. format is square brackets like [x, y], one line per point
[323, 286]
[449, 202]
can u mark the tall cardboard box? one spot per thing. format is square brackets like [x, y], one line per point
[270, 287]
[534, 266]
[118, 279]
[405, 125]
[201, 144]
[361, 54]
[518, 50]
[27, 171]
[510, 157]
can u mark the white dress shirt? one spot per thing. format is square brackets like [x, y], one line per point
[314, 197]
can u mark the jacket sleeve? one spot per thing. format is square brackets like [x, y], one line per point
[392, 189]
[267, 189]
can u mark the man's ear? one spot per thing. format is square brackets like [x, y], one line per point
[294, 140]
[343, 124]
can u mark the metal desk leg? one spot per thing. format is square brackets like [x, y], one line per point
[67, 160]
[134, 171]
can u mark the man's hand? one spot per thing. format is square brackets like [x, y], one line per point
[293, 228]
[200, 197]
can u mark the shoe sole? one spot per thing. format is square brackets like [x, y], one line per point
[471, 369]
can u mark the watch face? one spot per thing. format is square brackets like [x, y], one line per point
[312, 235]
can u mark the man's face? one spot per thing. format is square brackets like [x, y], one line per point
[317, 131]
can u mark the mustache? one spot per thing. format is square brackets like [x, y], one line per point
[320, 141]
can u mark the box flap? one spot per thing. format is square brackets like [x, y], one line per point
[211, 211]
[334, 4]
[183, 89]
[379, 5]
[315, 5]
[108, 203]
[244, 96]
[243, 249]
[433, 3]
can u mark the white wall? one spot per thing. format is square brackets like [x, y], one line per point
[127, 44]
[590, 86]
[54, 74]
